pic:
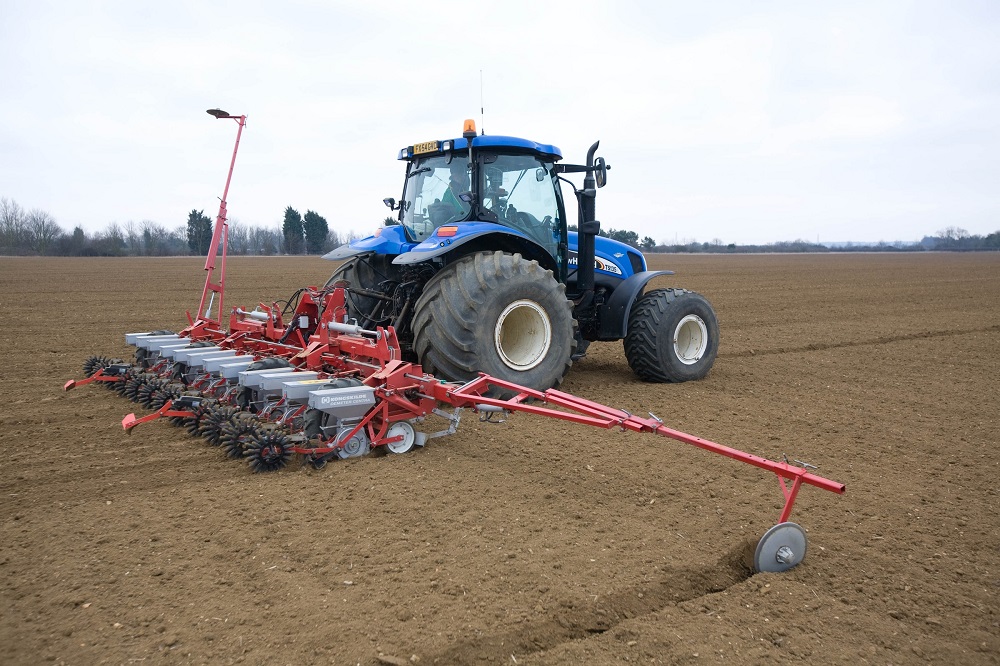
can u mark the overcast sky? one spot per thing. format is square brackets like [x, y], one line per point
[737, 121]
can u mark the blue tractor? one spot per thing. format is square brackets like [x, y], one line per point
[478, 271]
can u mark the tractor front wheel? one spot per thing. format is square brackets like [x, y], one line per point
[673, 336]
[495, 313]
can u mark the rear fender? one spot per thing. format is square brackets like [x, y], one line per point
[477, 237]
[613, 315]
[389, 240]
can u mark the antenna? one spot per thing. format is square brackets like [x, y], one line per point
[482, 105]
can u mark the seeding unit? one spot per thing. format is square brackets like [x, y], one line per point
[307, 380]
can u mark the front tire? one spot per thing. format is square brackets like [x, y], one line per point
[495, 313]
[367, 273]
[673, 336]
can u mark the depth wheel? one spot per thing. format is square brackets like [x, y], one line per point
[781, 548]
[409, 435]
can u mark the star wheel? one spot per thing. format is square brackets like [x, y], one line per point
[237, 432]
[268, 450]
[214, 421]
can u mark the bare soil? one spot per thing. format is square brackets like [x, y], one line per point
[532, 541]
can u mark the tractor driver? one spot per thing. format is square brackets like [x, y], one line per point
[450, 207]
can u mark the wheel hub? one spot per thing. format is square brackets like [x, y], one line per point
[690, 339]
[523, 335]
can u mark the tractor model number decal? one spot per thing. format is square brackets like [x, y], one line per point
[599, 264]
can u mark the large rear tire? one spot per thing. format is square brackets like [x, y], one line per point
[495, 313]
[673, 336]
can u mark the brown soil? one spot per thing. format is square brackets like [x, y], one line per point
[533, 541]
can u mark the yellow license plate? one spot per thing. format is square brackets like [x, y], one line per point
[425, 147]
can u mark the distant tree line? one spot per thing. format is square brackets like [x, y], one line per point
[948, 239]
[35, 232]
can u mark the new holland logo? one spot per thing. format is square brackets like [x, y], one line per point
[599, 264]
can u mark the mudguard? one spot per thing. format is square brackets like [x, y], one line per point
[387, 240]
[613, 315]
[436, 245]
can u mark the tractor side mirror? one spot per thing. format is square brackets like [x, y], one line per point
[601, 172]
[390, 202]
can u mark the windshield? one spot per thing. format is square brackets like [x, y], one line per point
[432, 195]
[519, 190]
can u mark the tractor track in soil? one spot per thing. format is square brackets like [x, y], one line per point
[883, 340]
[532, 541]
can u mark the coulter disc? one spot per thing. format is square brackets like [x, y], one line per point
[781, 548]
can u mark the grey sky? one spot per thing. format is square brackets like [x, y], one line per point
[741, 121]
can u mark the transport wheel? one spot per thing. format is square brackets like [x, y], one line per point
[673, 336]
[781, 548]
[237, 432]
[495, 313]
[268, 450]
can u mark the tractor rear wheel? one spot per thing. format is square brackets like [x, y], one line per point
[495, 313]
[673, 336]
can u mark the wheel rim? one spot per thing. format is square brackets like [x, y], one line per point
[523, 335]
[409, 437]
[690, 339]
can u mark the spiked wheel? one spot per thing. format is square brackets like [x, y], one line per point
[132, 386]
[95, 363]
[145, 394]
[193, 424]
[121, 386]
[268, 450]
[166, 391]
[214, 421]
[236, 434]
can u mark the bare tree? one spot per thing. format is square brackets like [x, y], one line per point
[42, 230]
[239, 237]
[13, 227]
[133, 239]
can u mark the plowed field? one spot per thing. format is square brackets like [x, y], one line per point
[530, 541]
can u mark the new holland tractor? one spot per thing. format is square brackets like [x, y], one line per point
[478, 272]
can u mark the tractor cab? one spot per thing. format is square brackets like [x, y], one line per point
[495, 180]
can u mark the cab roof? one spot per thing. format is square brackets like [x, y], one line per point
[482, 142]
